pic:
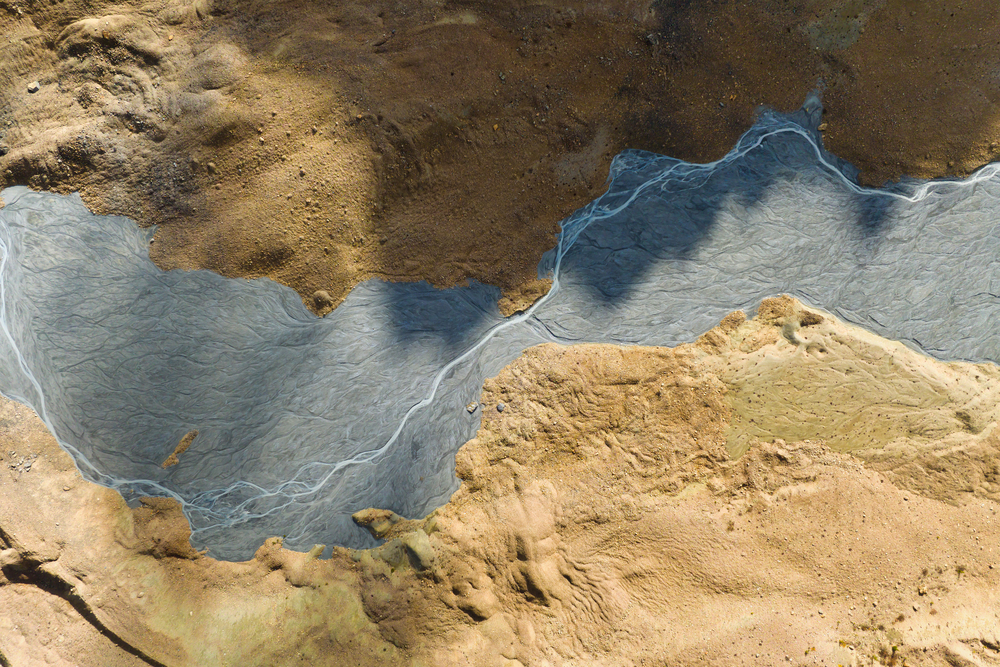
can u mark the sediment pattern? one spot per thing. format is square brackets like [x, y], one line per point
[303, 421]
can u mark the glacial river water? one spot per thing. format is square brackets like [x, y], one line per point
[303, 421]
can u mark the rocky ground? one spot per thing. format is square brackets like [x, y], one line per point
[601, 521]
[322, 144]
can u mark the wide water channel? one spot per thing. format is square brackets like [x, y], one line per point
[303, 421]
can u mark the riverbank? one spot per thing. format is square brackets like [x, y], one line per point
[322, 146]
[600, 516]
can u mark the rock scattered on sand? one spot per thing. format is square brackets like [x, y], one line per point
[395, 135]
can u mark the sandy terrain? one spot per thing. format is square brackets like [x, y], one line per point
[601, 521]
[323, 144]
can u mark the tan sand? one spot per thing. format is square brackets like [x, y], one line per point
[601, 521]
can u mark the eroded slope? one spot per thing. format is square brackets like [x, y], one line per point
[601, 520]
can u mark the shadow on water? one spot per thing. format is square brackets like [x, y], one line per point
[668, 222]
[455, 316]
[657, 213]
[872, 220]
[874, 213]
[679, 207]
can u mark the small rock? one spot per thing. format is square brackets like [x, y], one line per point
[302, 172]
[501, 407]
[376, 521]
[471, 407]
[322, 299]
[211, 167]
[33, 87]
[916, 607]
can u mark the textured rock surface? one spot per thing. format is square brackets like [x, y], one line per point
[600, 520]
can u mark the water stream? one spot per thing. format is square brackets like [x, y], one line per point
[303, 421]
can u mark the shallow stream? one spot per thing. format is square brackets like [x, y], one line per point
[302, 421]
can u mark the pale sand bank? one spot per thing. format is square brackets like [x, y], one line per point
[601, 520]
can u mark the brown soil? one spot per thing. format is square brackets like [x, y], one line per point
[323, 144]
[600, 521]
